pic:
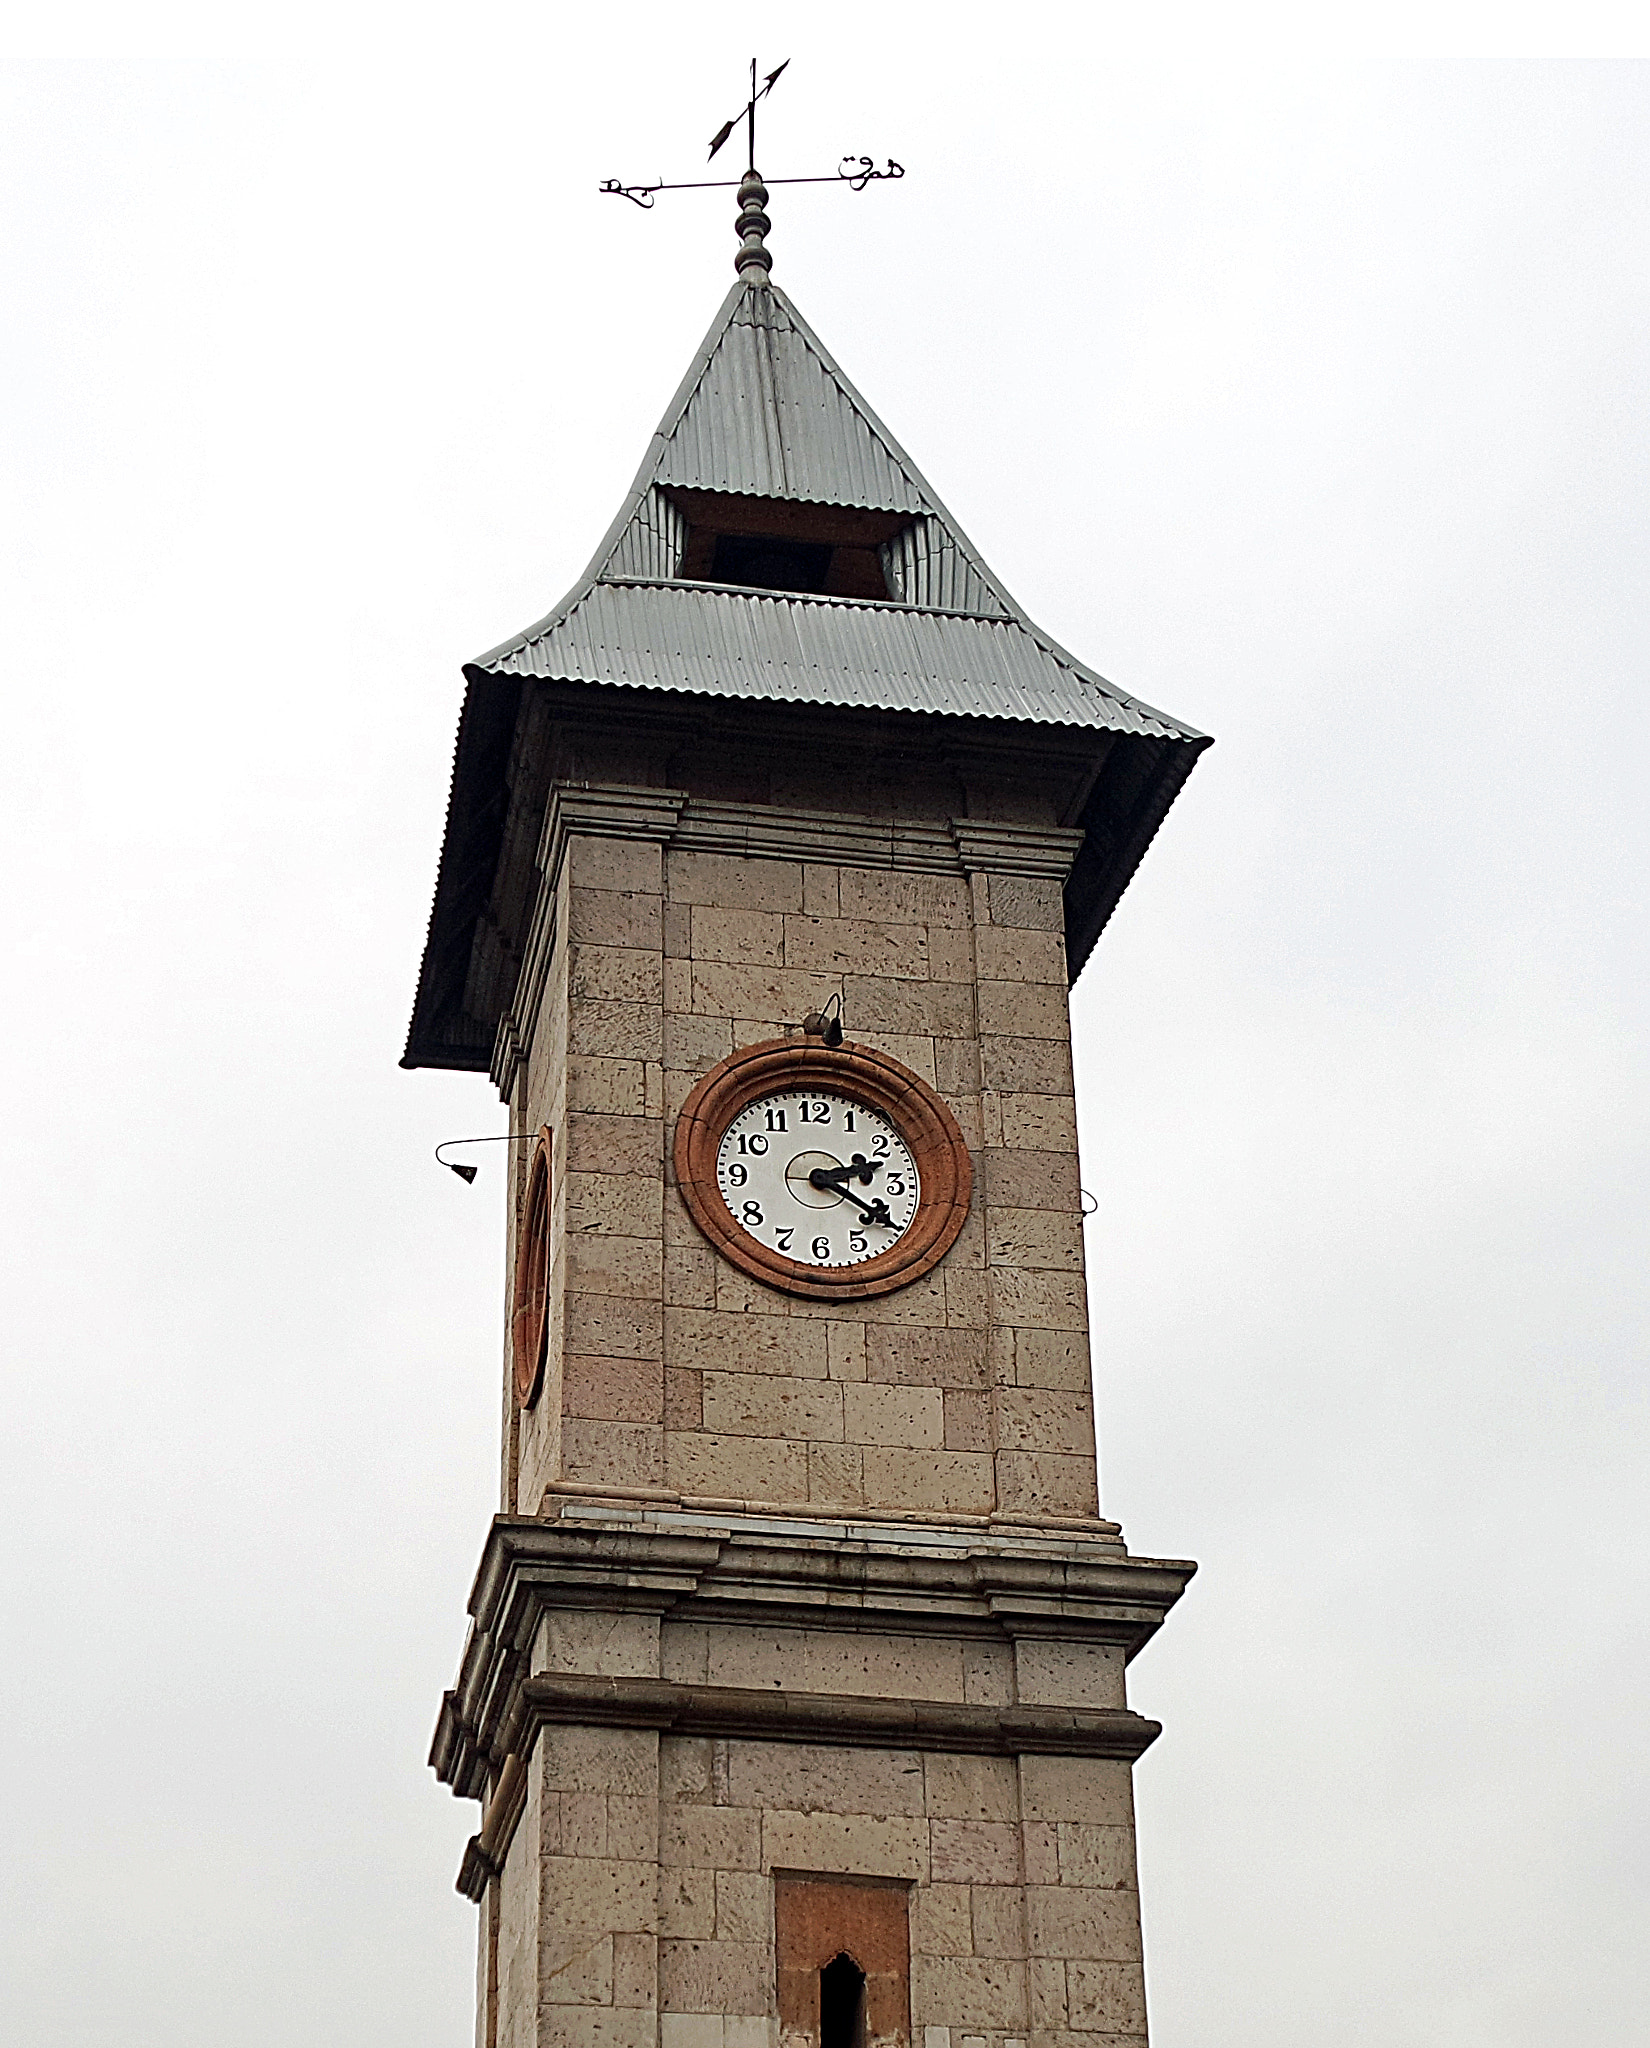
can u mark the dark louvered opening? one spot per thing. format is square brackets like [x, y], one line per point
[785, 543]
[766, 563]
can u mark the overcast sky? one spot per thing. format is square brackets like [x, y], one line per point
[1304, 397]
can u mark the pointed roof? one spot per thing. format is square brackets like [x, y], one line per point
[765, 412]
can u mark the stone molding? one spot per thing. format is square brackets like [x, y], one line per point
[1016, 849]
[604, 810]
[958, 1583]
[754, 1714]
[777, 832]
[566, 1496]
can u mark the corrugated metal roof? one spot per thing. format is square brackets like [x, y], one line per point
[771, 416]
[764, 411]
[721, 642]
[651, 545]
[924, 565]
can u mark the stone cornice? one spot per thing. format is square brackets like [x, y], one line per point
[780, 832]
[852, 1577]
[757, 1715]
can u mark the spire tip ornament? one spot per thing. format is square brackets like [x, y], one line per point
[753, 262]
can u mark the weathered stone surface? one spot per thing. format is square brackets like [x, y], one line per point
[925, 1357]
[612, 1453]
[711, 1976]
[737, 1467]
[968, 1991]
[857, 1845]
[618, 974]
[778, 1405]
[974, 1852]
[778, 1346]
[1102, 1856]
[1017, 955]
[1034, 902]
[1072, 1788]
[980, 1788]
[751, 937]
[613, 1389]
[946, 1482]
[1109, 1998]
[841, 945]
[710, 1837]
[729, 881]
[909, 1417]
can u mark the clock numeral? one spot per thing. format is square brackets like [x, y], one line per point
[776, 1121]
[858, 1241]
[879, 1143]
[785, 1233]
[814, 1112]
[752, 1215]
[894, 1184]
[822, 1247]
[737, 1176]
[756, 1142]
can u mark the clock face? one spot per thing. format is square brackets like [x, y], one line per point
[817, 1176]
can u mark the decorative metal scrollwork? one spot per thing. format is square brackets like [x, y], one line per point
[856, 172]
[862, 177]
[638, 195]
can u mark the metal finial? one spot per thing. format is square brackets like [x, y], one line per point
[753, 261]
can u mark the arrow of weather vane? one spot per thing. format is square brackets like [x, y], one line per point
[856, 172]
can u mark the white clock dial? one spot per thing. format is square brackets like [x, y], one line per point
[817, 1177]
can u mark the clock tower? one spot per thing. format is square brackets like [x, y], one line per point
[794, 1693]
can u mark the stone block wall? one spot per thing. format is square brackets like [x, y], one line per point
[967, 1392]
[647, 1864]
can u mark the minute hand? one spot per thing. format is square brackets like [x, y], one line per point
[873, 1212]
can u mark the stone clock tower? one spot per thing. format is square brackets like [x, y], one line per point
[793, 1698]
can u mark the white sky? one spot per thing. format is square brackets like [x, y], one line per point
[1306, 397]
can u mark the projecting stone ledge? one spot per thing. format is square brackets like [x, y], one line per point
[743, 1713]
[982, 1639]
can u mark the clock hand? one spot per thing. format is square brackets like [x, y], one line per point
[835, 1176]
[873, 1212]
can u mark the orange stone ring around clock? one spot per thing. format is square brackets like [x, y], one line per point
[921, 1119]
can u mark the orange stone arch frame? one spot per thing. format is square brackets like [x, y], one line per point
[919, 1115]
[530, 1296]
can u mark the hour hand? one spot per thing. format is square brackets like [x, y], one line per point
[859, 1168]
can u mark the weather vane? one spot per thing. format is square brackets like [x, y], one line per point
[856, 172]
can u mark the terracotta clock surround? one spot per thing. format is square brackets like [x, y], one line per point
[925, 1123]
[531, 1293]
